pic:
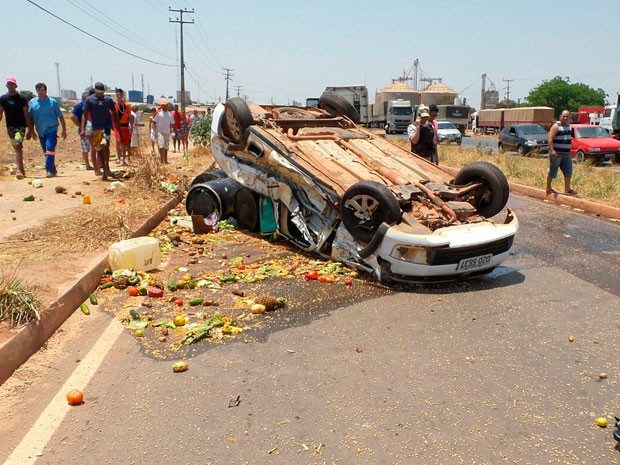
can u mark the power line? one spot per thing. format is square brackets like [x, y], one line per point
[97, 38]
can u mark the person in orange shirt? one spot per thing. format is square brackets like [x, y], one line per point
[122, 130]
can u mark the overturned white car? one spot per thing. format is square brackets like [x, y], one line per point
[339, 190]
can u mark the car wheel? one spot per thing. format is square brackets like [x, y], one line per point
[337, 105]
[292, 113]
[246, 209]
[581, 157]
[501, 148]
[492, 196]
[236, 120]
[208, 176]
[520, 150]
[617, 158]
[364, 206]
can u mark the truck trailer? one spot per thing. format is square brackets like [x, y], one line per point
[492, 121]
[456, 114]
[392, 115]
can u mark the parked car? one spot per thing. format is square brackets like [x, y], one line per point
[333, 188]
[594, 143]
[523, 139]
[448, 132]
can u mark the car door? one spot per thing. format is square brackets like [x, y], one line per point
[511, 139]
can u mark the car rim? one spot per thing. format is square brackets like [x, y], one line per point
[233, 124]
[363, 207]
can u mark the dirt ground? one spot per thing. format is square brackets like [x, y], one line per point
[58, 231]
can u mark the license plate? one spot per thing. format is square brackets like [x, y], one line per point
[474, 262]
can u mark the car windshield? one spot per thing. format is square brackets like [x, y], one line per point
[530, 130]
[445, 125]
[591, 132]
[402, 111]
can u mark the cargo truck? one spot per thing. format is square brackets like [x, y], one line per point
[610, 121]
[392, 115]
[492, 121]
[456, 114]
[357, 96]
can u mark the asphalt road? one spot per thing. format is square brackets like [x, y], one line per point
[499, 369]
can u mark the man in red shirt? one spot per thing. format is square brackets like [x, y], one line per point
[176, 135]
[122, 130]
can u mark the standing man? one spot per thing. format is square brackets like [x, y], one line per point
[45, 114]
[433, 111]
[135, 130]
[16, 107]
[76, 117]
[122, 131]
[421, 134]
[560, 137]
[176, 131]
[100, 108]
[164, 122]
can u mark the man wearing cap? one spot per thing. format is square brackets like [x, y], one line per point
[45, 114]
[422, 134]
[164, 122]
[433, 112]
[16, 107]
[100, 108]
[76, 117]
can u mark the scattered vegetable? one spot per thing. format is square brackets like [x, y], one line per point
[107, 285]
[85, 309]
[179, 302]
[93, 299]
[180, 367]
[196, 301]
[155, 292]
[179, 320]
[133, 291]
[75, 397]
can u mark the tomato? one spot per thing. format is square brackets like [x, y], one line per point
[75, 397]
[241, 267]
[348, 281]
[179, 302]
[133, 291]
[107, 279]
[155, 292]
[311, 275]
[326, 278]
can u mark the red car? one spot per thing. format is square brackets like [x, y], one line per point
[595, 143]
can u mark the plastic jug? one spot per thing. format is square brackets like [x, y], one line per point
[139, 253]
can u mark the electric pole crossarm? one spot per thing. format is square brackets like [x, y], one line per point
[180, 21]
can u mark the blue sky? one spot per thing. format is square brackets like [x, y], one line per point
[289, 50]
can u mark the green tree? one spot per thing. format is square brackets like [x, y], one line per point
[27, 93]
[560, 94]
[200, 131]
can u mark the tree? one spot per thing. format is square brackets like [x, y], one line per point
[200, 131]
[560, 94]
[27, 93]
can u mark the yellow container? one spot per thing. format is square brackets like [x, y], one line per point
[139, 253]
[86, 199]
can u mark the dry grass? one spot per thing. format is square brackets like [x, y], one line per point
[600, 185]
[18, 302]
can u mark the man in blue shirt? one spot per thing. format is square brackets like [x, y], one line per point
[76, 117]
[45, 113]
[100, 108]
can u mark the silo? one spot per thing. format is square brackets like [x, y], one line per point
[438, 94]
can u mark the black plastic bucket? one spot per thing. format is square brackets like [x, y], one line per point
[217, 195]
[207, 176]
[246, 209]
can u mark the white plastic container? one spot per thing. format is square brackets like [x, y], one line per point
[139, 253]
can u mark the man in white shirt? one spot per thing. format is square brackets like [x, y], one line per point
[165, 123]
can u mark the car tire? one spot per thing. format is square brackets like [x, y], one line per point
[520, 150]
[292, 113]
[501, 148]
[236, 120]
[364, 206]
[493, 196]
[580, 157]
[208, 176]
[617, 159]
[337, 105]
[246, 209]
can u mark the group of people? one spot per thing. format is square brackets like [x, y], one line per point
[97, 116]
[422, 134]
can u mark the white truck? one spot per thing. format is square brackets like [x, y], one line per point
[392, 115]
[609, 120]
[357, 96]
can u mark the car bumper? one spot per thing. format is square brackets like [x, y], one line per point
[451, 253]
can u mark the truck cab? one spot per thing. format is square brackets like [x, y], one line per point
[609, 120]
[399, 116]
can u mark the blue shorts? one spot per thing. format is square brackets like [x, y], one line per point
[48, 143]
[564, 162]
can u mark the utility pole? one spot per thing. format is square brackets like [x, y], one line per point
[181, 22]
[143, 96]
[228, 75]
[238, 90]
[58, 79]
[507, 89]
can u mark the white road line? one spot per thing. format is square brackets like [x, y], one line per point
[48, 422]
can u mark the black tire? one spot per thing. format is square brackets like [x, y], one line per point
[581, 157]
[246, 209]
[492, 197]
[208, 176]
[293, 113]
[520, 150]
[364, 206]
[236, 120]
[337, 105]
[617, 158]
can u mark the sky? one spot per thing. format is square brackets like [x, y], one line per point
[282, 51]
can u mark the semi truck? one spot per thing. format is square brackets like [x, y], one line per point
[357, 96]
[456, 114]
[610, 120]
[492, 121]
[392, 115]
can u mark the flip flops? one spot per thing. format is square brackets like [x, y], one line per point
[571, 192]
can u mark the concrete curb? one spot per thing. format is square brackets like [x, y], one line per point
[561, 199]
[32, 336]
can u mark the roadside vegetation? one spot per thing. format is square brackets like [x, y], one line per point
[601, 185]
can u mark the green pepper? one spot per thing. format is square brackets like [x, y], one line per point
[28, 198]
[134, 280]
[196, 301]
[93, 299]
[172, 286]
[85, 309]
[229, 278]
[142, 291]
[134, 314]
[106, 285]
